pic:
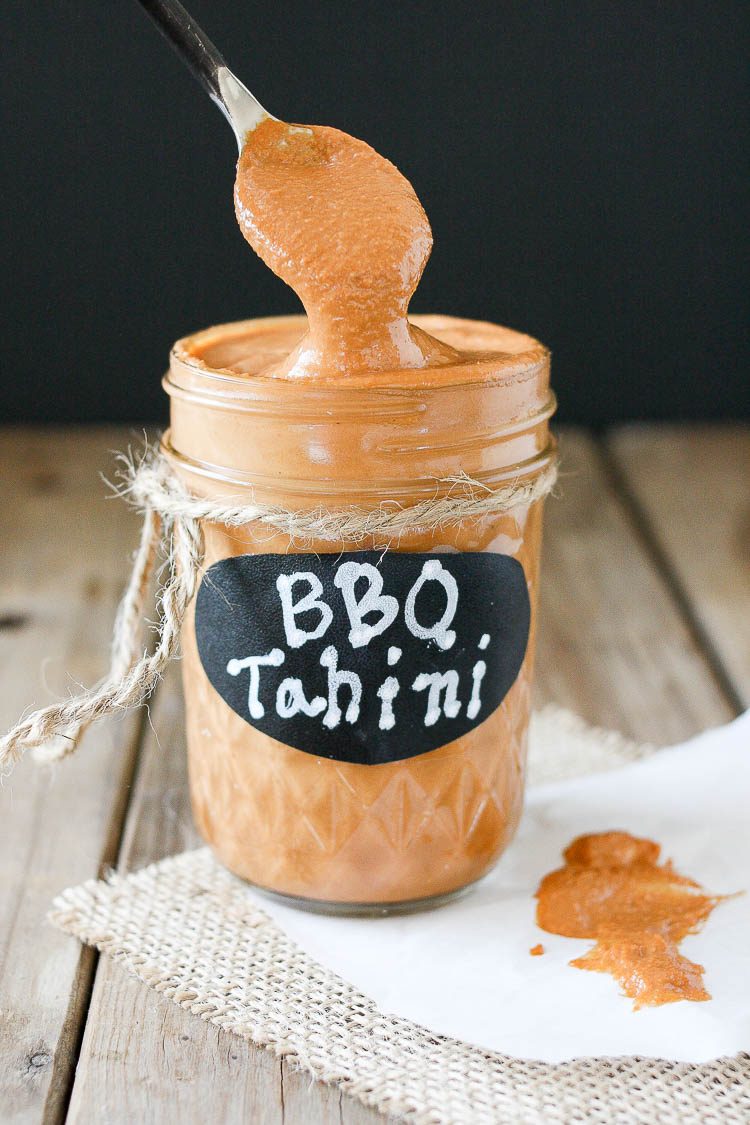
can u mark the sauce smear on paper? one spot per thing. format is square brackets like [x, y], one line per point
[614, 890]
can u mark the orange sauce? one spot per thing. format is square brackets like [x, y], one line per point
[341, 226]
[302, 825]
[353, 405]
[613, 889]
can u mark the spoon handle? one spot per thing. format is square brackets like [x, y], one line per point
[240, 107]
[189, 40]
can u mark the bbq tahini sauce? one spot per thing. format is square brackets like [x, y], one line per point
[354, 404]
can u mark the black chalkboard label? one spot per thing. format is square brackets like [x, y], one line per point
[365, 657]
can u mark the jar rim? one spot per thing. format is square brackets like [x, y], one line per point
[400, 432]
[395, 487]
[485, 366]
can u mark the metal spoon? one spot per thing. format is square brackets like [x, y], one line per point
[242, 110]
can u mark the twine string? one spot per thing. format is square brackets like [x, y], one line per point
[173, 524]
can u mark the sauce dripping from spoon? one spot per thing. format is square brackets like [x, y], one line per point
[341, 226]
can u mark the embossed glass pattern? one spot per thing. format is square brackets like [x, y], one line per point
[339, 834]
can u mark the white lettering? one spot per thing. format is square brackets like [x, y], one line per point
[295, 636]
[475, 703]
[274, 659]
[290, 700]
[387, 692]
[433, 570]
[372, 601]
[332, 717]
[394, 655]
[436, 681]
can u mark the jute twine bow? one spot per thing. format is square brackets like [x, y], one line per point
[172, 524]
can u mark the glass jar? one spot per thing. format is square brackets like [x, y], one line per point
[322, 832]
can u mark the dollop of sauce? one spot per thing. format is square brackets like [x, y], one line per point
[341, 226]
[614, 890]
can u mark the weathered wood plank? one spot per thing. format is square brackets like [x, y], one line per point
[65, 553]
[612, 645]
[143, 1058]
[693, 486]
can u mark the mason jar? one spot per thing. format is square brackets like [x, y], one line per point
[358, 705]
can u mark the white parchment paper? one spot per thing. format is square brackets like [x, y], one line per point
[465, 970]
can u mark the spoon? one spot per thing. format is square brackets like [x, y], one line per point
[242, 110]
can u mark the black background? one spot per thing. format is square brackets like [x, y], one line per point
[583, 166]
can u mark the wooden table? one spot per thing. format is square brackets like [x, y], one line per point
[645, 627]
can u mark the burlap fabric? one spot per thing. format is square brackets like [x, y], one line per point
[190, 930]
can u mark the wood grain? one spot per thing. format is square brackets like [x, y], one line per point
[64, 560]
[613, 646]
[692, 485]
[143, 1058]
